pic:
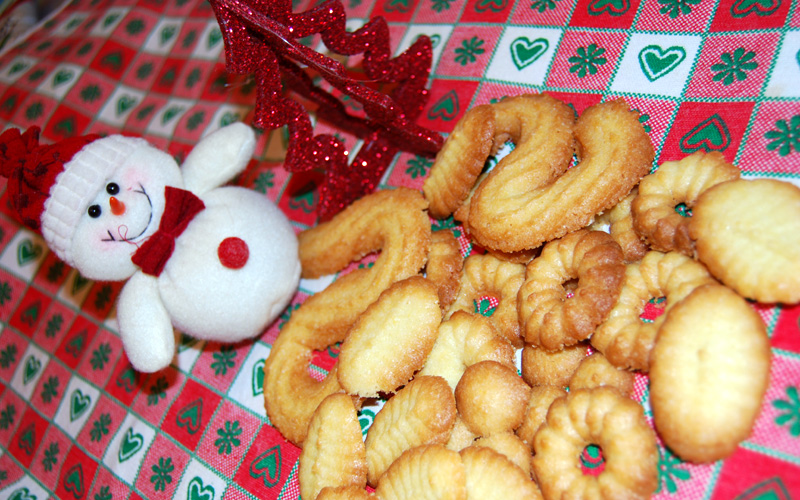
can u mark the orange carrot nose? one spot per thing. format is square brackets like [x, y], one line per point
[117, 207]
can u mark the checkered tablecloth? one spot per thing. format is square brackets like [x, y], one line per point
[77, 422]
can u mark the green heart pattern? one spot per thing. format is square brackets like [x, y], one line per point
[28, 251]
[197, 490]
[79, 403]
[32, 367]
[525, 52]
[657, 62]
[131, 443]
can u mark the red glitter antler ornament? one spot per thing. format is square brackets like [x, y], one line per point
[261, 38]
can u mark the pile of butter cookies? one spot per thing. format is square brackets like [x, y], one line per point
[572, 236]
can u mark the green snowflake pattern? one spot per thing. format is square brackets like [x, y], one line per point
[100, 427]
[543, 5]
[101, 356]
[669, 471]
[418, 166]
[228, 437]
[440, 5]
[675, 8]
[5, 293]
[91, 93]
[587, 59]
[264, 181]
[50, 456]
[103, 297]
[223, 360]
[7, 416]
[50, 389]
[162, 473]
[790, 411]
[734, 67]
[785, 139]
[55, 271]
[158, 391]
[469, 50]
[53, 325]
[8, 355]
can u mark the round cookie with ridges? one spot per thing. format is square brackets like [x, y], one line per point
[748, 235]
[600, 416]
[491, 398]
[428, 472]
[709, 371]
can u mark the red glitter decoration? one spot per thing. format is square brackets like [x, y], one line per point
[261, 38]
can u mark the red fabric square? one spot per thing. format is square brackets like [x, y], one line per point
[768, 148]
[29, 436]
[11, 409]
[12, 347]
[487, 11]
[54, 326]
[468, 51]
[52, 273]
[228, 435]
[11, 291]
[91, 92]
[125, 382]
[748, 475]
[51, 457]
[77, 475]
[164, 460]
[50, 389]
[190, 413]
[700, 126]
[135, 28]
[749, 15]
[395, 10]
[586, 59]
[613, 14]
[157, 393]
[448, 100]
[144, 70]
[219, 364]
[66, 121]
[101, 426]
[79, 336]
[34, 110]
[106, 484]
[30, 311]
[10, 101]
[143, 114]
[268, 464]
[658, 15]
[113, 59]
[102, 354]
[101, 298]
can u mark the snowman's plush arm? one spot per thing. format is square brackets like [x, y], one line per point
[144, 324]
[218, 157]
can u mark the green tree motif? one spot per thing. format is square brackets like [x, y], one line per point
[264, 181]
[54, 325]
[587, 60]
[162, 473]
[101, 356]
[228, 437]
[469, 50]
[100, 427]
[675, 8]
[784, 138]
[8, 356]
[50, 389]
[5, 293]
[158, 391]
[135, 26]
[418, 166]
[734, 67]
[543, 5]
[7, 416]
[91, 93]
[669, 471]
[440, 5]
[790, 411]
[223, 360]
[50, 456]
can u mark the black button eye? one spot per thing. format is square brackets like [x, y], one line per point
[112, 188]
[94, 211]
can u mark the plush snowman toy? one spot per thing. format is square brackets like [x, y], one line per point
[215, 262]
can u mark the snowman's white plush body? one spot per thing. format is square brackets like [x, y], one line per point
[198, 291]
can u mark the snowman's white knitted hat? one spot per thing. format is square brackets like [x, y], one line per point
[83, 177]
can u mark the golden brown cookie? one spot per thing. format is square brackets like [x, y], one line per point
[333, 453]
[491, 398]
[542, 396]
[541, 367]
[510, 446]
[708, 375]
[444, 266]
[596, 371]
[425, 472]
[491, 475]
[674, 183]
[603, 417]
[549, 317]
[391, 340]
[748, 235]
[618, 221]
[423, 412]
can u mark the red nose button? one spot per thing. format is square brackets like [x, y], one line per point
[233, 253]
[117, 207]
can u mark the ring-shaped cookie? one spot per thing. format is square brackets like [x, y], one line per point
[619, 223]
[485, 274]
[392, 221]
[548, 318]
[444, 266]
[624, 339]
[676, 182]
[603, 417]
[509, 213]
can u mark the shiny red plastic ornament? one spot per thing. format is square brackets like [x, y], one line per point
[261, 38]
